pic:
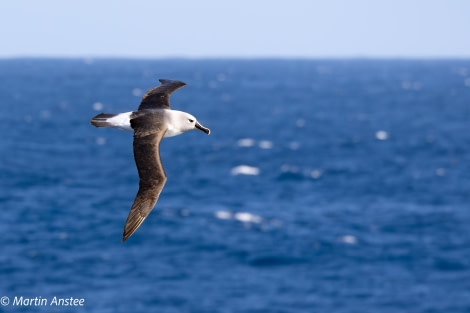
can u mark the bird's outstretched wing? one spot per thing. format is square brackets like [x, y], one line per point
[148, 132]
[159, 97]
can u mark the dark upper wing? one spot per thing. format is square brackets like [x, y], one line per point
[148, 132]
[159, 97]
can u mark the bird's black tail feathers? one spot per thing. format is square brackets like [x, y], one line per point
[101, 120]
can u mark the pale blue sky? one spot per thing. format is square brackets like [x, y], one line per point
[241, 28]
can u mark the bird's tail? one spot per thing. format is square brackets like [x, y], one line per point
[101, 120]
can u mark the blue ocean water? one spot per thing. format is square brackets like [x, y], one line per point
[325, 186]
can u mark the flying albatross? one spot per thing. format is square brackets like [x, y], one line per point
[152, 121]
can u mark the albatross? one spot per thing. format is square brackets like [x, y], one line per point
[153, 121]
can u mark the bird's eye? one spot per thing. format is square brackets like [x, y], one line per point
[190, 120]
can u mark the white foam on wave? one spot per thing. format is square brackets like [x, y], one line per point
[249, 142]
[243, 217]
[246, 142]
[100, 141]
[381, 135]
[137, 92]
[98, 106]
[223, 215]
[265, 144]
[348, 239]
[246, 217]
[245, 170]
[315, 174]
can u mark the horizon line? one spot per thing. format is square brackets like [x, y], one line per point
[233, 57]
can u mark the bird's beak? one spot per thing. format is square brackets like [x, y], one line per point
[204, 129]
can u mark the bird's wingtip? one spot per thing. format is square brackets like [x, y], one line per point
[170, 81]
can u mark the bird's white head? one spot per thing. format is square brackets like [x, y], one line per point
[180, 122]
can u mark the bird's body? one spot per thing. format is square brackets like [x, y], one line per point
[153, 121]
[122, 121]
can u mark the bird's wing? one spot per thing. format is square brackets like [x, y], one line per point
[159, 97]
[149, 130]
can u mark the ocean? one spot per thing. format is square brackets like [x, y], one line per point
[324, 186]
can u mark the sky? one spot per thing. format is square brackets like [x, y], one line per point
[240, 29]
